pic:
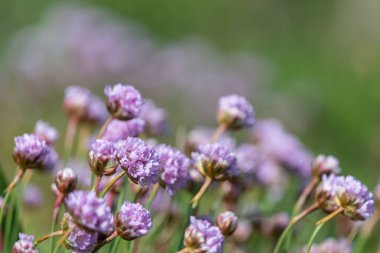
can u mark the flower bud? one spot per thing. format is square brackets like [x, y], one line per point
[325, 165]
[66, 180]
[102, 157]
[227, 223]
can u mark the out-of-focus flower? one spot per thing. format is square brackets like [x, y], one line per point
[345, 192]
[174, 168]
[124, 101]
[235, 112]
[243, 231]
[215, 161]
[248, 161]
[377, 194]
[120, 130]
[274, 225]
[227, 223]
[66, 180]
[155, 118]
[90, 211]
[133, 221]
[32, 196]
[25, 244]
[46, 132]
[330, 246]
[325, 165]
[139, 160]
[102, 157]
[51, 160]
[201, 236]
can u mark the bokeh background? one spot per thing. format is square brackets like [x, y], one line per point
[312, 64]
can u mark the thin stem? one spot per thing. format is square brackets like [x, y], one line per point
[115, 245]
[57, 205]
[138, 194]
[112, 182]
[152, 195]
[183, 226]
[306, 192]
[131, 246]
[15, 180]
[70, 134]
[282, 237]
[104, 127]
[108, 240]
[201, 192]
[312, 238]
[95, 187]
[330, 216]
[45, 237]
[62, 239]
[218, 132]
[9, 220]
[307, 211]
[3, 207]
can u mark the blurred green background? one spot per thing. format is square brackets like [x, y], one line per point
[324, 57]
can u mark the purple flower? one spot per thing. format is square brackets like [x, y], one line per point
[174, 168]
[133, 221]
[215, 161]
[121, 130]
[30, 152]
[46, 132]
[227, 223]
[201, 236]
[66, 180]
[32, 196]
[248, 161]
[102, 157]
[155, 118]
[325, 165]
[90, 211]
[124, 101]
[96, 110]
[76, 100]
[139, 160]
[79, 240]
[345, 192]
[50, 161]
[330, 246]
[25, 244]
[377, 194]
[236, 112]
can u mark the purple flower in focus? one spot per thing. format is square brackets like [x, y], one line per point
[139, 160]
[215, 161]
[120, 130]
[174, 168]
[124, 101]
[201, 236]
[90, 211]
[30, 152]
[236, 112]
[25, 244]
[102, 157]
[330, 246]
[32, 196]
[155, 118]
[345, 192]
[133, 221]
[46, 132]
[325, 165]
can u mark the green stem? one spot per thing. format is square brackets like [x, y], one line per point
[282, 237]
[5, 201]
[9, 221]
[131, 245]
[201, 192]
[312, 238]
[184, 225]
[115, 245]
[112, 182]
[152, 195]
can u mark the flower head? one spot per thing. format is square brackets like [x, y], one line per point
[139, 160]
[331, 246]
[133, 221]
[66, 180]
[102, 157]
[174, 168]
[121, 130]
[236, 112]
[155, 118]
[96, 110]
[90, 211]
[25, 244]
[215, 161]
[46, 132]
[124, 101]
[32, 196]
[203, 237]
[325, 165]
[345, 192]
[227, 223]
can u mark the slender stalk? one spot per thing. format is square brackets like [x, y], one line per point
[201, 192]
[104, 127]
[108, 240]
[183, 226]
[15, 180]
[57, 205]
[62, 239]
[131, 246]
[115, 245]
[306, 192]
[112, 182]
[330, 216]
[138, 194]
[3, 207]
[9, 220]
[152, 195]
[96, 184]
[45, 237]
[70, 134]
[218, 132]
[312, 238]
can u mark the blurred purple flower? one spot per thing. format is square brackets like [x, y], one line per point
[325, 165]
[120, 130]
[227, 223]
[32, 196]
[330, 246]
[155, 118]
[46, 132]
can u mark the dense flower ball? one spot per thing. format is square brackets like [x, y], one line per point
[133, 221]
[121, 130]
[102, 157]
[345, 192]
[46, 132]
[139, 160]
[25, 244]
[30, 152]
[66, 180]
[325, 165]
[227, 223]
[174, 168]
[90, 211]
[79, 240]
[155, 118]
[201, 236]
[330, 246]
[236, 112]
[215, 161]
[124, 101]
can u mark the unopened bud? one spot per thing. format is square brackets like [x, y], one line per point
[227, 223]
[66, 181]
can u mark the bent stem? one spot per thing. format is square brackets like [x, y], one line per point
[330, 216]
[201, 192]
[57, 205]
[306, 192]
[15, 180]
[104, 127]
[312, 238]
[218, 132]
[108, 240]
[112, 182]
[45, 237]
